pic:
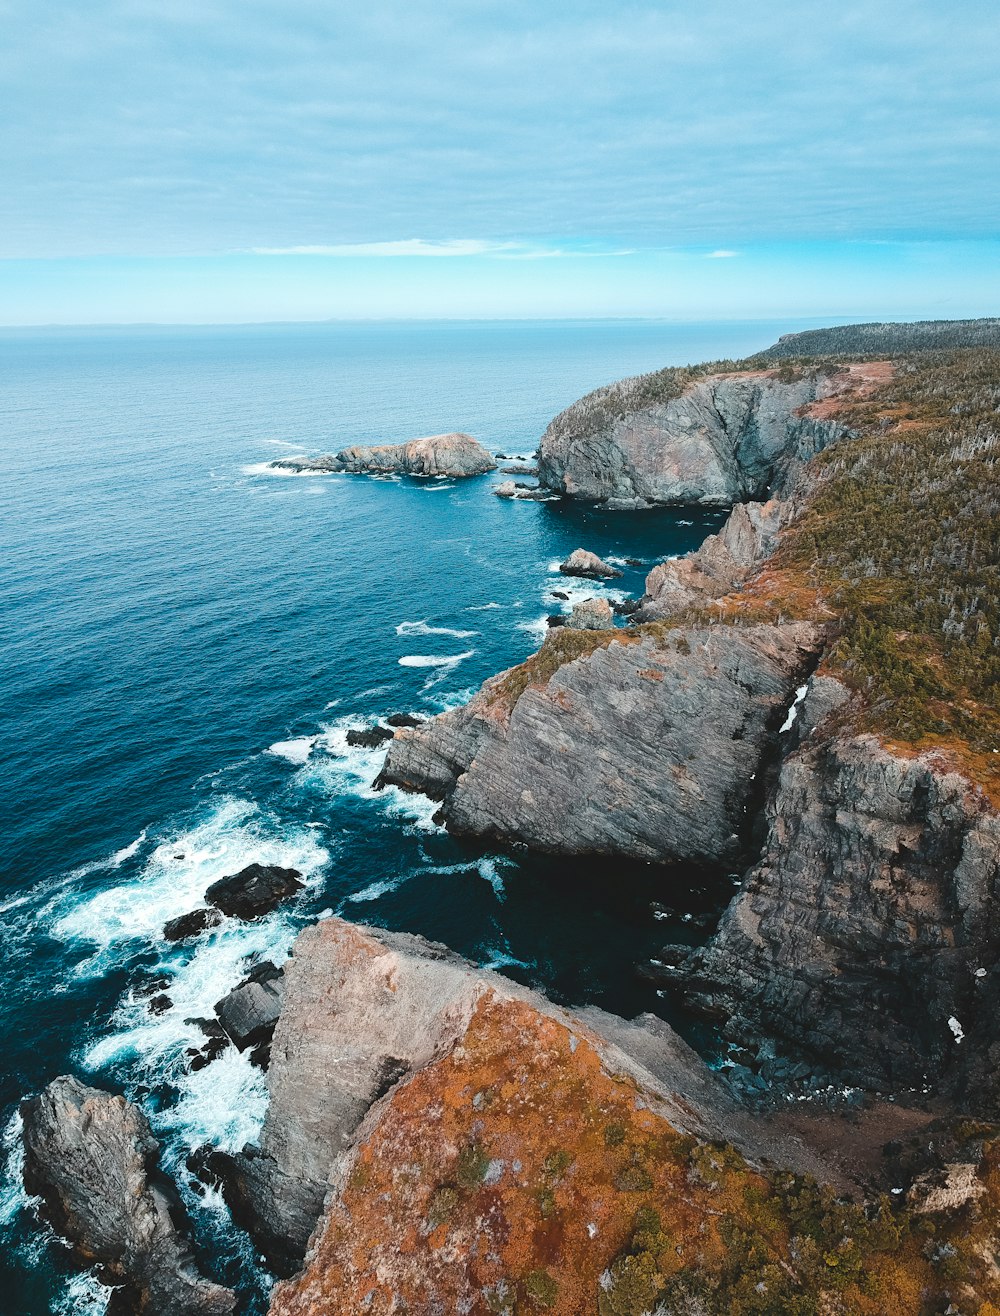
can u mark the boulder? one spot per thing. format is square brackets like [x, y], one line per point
[506, 489]
[91, 1158]
[404, 720]
[254, 891]
[190, 925]
[250, 1011]
[368, 737]
[592, 615]
[587, 565]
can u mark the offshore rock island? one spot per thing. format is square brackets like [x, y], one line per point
[455, 455]
[806, 707]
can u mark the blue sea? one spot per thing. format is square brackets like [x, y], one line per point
[187, 637]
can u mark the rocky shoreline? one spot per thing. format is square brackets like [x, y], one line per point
[438, 1138]
[454, 455]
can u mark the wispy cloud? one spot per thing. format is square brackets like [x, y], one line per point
[721, 254]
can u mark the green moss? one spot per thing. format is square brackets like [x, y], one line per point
[541, 1288]
[614, 1134]
[472, 1166]
[441, 1205]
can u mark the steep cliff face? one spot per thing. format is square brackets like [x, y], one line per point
[866, 935]
[725, 439]
[647, 746]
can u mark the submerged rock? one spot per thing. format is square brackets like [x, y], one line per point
[587, 565]
[455, 455]
[91, 1158]
[254, 891]
[191, 925]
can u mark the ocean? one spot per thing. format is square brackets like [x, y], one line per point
[187, 636]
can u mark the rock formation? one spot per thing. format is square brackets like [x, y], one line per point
[866, 934]
[91, 1158]
[725, 439]
[591, 615]
[587, 565]
[254, 891]
[455, 455]
[646, 746]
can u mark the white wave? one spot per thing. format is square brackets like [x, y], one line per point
[436, 488]
[502, 959]
[111, 861]
[422, 628]
[84, 1295]
[434, 660]
[373, 892]
[295, 751]
[13, 1197]
[488, 868]
[174, 879]
[538, 627]
[350, 770]
[483, 607]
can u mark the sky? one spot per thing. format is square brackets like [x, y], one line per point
[214, 161]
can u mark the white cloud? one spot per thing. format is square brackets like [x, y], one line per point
[722, 254]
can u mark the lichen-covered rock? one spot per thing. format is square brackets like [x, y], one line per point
[591, 615]
[725, 439]
[91, 1158]
[866, 934]
[456, 455]
[648, 746]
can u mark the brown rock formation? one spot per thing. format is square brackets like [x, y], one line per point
[456, 455]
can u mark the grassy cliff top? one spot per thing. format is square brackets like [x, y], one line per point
[887, 339]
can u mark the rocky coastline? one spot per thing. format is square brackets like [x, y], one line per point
[439, 1138]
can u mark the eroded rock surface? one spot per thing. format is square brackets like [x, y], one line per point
[647, 747]
[866, 935]
[588, 565]
[726, 439]
[91, 1158]
[457, 455]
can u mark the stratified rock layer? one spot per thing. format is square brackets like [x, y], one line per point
[867, 932]
[647, 747]
[91, 1157]
[456, 455]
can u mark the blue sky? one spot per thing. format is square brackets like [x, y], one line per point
[195, 161]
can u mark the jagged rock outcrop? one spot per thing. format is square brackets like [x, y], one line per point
[725, 439]
[591, 615]
[456, 455]
[647, 747]
[866, 935]
[254, 891]
[91, 1158]
[250, 1011]
[722, 563]
[366, 1011]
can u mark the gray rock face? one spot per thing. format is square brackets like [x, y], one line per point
[456, 455]
[726, 439]
[250, 1011]
[722, 563]
[866, 935]
[91, 1157]
[647, 748]
[591, 615]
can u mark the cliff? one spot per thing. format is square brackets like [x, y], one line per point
[455, 455]
[671, 438]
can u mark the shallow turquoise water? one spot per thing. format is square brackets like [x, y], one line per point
[185, 640]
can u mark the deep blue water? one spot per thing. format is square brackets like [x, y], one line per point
[186, 638]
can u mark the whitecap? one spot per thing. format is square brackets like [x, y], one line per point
[538, 627]
[13, 1195]
[373, 892]
[483, 607]
[434, 660]
[422, 628]
[295, 751]
[84, 1295]
[111, 861]
[350, 770]
[174, 878]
